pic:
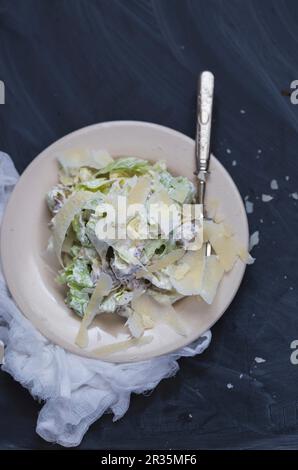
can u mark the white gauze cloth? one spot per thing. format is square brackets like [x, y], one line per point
[76, 390]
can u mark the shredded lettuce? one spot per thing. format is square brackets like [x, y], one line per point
[126, 167]
[77, 274]
[153, 247]
[77, 300]
[96, 184]
[179, 188]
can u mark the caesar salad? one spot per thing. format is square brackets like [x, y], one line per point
[139, 265]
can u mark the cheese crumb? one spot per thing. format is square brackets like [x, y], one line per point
[230, 386]
[228, 150]
[287, 178]
[267, 198]
[259, 360]
[254, 240]
[249, 206]
[274, 185]
[234, 163]
[294, 196]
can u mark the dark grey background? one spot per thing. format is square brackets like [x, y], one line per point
[67, 64]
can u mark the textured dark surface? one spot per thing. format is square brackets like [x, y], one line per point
[67, 64]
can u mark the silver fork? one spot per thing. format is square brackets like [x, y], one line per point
[203, 133]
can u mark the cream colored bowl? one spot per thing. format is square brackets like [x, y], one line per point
[30, 273]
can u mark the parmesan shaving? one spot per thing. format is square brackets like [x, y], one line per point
[100, 246]
[160, 197]
[139, 321]
[103, 288]
[225, 244]
[135, 325]
[76, 158]
[212, 276]
[226, 249]
[245, 256]
[181, 270]
[191, 283]
[121, 346]
[68, 243]
[149, 308]
[211, 230]
[162, 263]
[146, 306]
[139, 193]
[172, 319]
[62, 220]
[166, 260]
